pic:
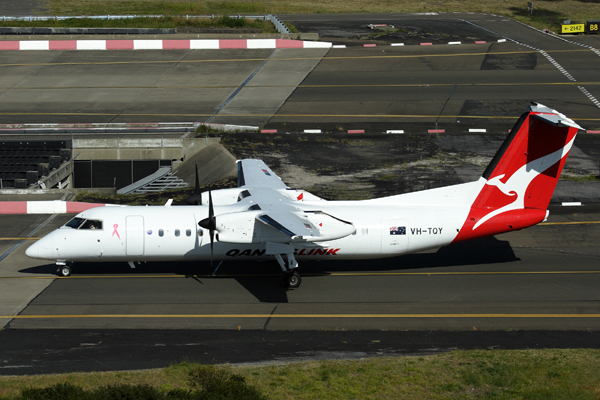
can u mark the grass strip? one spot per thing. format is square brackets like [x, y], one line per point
[144, 22]
[501, 374]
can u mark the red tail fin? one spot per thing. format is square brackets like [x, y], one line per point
[520, 180]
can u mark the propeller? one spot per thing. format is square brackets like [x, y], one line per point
[196, 198]
[210, 223]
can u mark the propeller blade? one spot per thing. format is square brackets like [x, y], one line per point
[210, 224]
[212, 241]
[195, 199]
[211, 210]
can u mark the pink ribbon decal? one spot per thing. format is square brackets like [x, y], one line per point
[115, 226]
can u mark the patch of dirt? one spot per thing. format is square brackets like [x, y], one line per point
[358, 167]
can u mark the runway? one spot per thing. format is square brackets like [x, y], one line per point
[540, 281]
[535, 288]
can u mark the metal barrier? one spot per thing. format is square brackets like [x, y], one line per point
[279, 25]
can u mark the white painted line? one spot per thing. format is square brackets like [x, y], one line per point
[501, 40]
[261, 43]
[35, 45]
[47, 207]
[147, 45]
[394, 131]
[339, 46]
[316, 45]
[204, 44]
[397, 44]
[571, 203]
[91, 45]
[312, 131]
[478, 130]
[454, 42]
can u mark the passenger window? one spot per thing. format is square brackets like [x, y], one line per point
[200, 232]
[161, 233]
[177, 232]
[188, 232]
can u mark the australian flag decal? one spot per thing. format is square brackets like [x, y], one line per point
[398, 230]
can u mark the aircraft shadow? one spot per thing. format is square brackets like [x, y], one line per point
[264, 281]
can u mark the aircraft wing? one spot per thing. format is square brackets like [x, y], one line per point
[302, 226]
[277, 209]
[256, 174]
[294, 225]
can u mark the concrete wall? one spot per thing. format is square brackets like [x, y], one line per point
[139, 149]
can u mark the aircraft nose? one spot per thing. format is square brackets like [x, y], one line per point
[33, 251]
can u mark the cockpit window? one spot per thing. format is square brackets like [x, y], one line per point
[82, 223]
[92, 224]
[75, 223]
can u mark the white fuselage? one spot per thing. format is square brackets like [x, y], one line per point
[382, 227]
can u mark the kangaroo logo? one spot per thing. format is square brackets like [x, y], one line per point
[517, 184]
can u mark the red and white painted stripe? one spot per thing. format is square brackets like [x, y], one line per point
[46, 207]
[185, 44]
[142, 44]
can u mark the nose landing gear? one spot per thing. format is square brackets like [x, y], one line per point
[63, 269]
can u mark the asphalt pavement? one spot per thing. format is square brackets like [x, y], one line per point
[527, 289]
[22, 7]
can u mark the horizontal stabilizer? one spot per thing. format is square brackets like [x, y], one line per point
[552, 116]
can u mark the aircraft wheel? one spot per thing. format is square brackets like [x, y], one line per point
[292, 280]
[64, 270]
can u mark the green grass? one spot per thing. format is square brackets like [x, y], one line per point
[165, 22]
[547, 13]
[576, 178]
[480, 374]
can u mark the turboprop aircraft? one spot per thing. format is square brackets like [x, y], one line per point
[265, 219]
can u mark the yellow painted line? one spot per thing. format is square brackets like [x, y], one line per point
[570, 223]
[325, 58]
[266, 115]
[301, 316]
[21, 238]
[463, 273]
[141, 276]
[490, 117]
[393, 85]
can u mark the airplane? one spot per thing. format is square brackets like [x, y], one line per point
[264, 219]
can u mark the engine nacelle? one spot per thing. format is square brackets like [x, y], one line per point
[223, 197]
[240, 227]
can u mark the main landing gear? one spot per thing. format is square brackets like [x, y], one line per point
[291, 278]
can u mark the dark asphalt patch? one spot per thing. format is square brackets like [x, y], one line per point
[22, 7]
[409, 31]
[376, 165]
[27, 352]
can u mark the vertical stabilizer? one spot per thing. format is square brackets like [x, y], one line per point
[520, 179]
